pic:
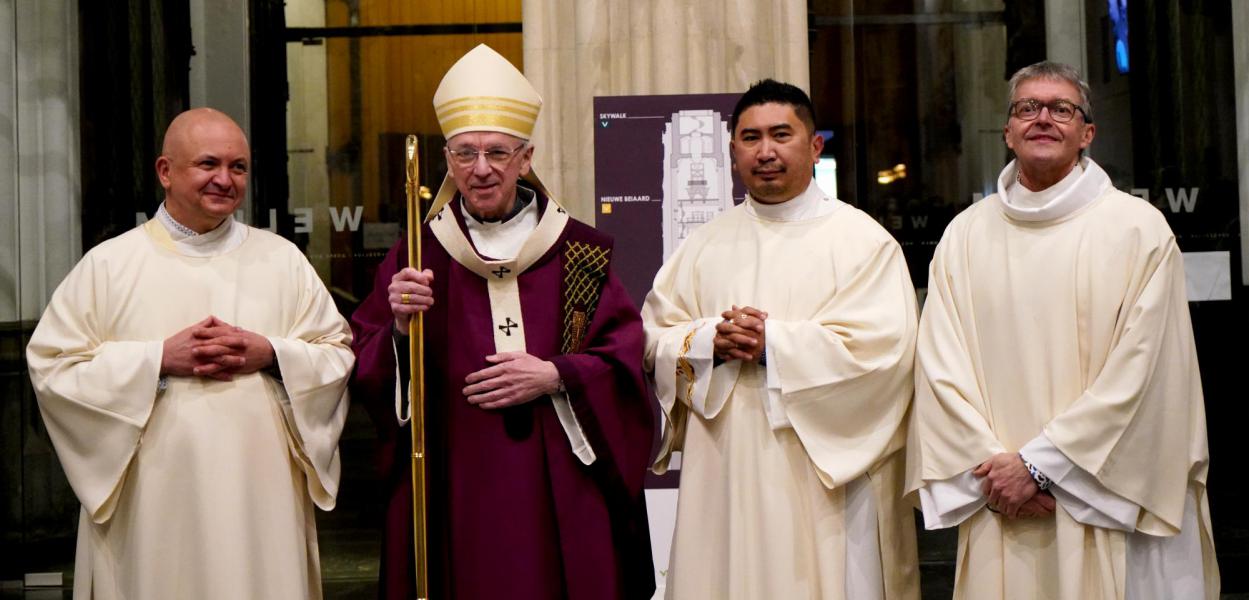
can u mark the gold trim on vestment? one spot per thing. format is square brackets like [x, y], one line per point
[160, 235]
[585, 273]
[685, 370]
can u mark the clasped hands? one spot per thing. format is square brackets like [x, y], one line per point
[215, 349]
[741, 335]
[511, 378]
[1010, 489]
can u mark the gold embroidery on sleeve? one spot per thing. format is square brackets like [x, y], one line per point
[685, 370]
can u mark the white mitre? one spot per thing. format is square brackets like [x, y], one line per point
[483, 92]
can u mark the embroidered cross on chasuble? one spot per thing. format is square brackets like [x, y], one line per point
[585, 273]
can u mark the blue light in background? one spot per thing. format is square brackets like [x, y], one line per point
[1119, 28]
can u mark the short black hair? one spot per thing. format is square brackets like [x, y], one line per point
[771, 91]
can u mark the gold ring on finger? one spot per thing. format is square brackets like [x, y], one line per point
[405, 298]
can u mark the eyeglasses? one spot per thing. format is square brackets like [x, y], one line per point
[496, 156]
[1061, 111]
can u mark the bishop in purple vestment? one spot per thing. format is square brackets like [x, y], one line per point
[538, 423]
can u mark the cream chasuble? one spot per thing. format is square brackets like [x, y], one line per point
[1056, 326]
[791, 474]
[193, 488]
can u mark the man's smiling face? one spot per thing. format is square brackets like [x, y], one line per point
[1044, 144]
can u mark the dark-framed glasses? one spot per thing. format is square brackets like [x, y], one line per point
[497, 156]
[1061, 110]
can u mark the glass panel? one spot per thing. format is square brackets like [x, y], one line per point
[913, 94]
[12, 337]
[39, 237]
[353, 101]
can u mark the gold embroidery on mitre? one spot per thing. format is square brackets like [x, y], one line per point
[518, 104]
[524, 113]
[478, 121]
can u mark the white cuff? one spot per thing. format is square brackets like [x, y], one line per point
[948, 502]
[401, 415]
[701, 356]
[156, 354]
[1078, 491]
[685, 369]
[1161, 568]
[572, 428]
[772, 405]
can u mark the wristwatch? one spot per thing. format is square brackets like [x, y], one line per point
[1042, 482]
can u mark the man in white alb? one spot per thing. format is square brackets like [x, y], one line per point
[781, 337]
[192, 374]
[1058, 417]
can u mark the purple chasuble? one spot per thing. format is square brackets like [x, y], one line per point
[512, 511]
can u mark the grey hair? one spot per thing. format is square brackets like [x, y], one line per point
[1055, 72]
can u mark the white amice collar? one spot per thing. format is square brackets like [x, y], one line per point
[810, 204]
[501, 240]
[1085, 183]
[225, 237]
[1019, 196]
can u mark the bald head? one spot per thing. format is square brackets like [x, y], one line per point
[203, 167]
[185, 127]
